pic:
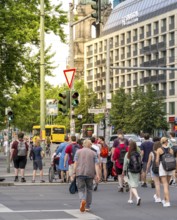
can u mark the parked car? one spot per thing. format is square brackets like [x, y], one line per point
[133, 137]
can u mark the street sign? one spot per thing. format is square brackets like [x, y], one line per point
[69, 75]
[108, 105]
[51, 107]
[95, 110]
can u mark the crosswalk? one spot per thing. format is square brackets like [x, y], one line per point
[74, 213]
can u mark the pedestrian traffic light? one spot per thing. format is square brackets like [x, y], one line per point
[64, 102]
[97, 13]
[75, 99]
[10, 115]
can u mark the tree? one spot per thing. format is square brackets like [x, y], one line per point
[139, 111]
[19, 36]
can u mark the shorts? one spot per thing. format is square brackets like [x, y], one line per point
[71, 169]
[20, 162]
[37, 164]
[144, 167]
[103, 159]
[163, 172]
[118, 171]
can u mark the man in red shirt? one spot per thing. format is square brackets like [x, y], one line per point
[70, 153]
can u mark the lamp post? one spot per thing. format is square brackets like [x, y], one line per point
[42, 75]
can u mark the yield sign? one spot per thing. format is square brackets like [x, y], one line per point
[69, 75]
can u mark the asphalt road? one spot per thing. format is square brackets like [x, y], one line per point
[55, 202]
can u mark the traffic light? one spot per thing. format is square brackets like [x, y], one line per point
[75, 99]
[97, 13]
[10, 115]
[64, 101]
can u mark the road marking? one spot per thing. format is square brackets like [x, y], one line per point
[73, 212]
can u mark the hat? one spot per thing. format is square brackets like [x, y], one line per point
[163, 140]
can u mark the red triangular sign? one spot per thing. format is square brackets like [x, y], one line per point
[69, 75]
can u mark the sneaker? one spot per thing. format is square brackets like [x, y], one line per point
[95, 187]
[130, 201]
[82, 206]
[152, 185]
[87, 209]
[23, 180]
[155, 197]
[144, 185]
[171, 181]
[166, 204]
[158, 200]
[138, 201]
[121, 189]
[42, 181]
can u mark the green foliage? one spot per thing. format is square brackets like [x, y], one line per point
[138, 112]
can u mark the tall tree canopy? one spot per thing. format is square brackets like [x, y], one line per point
[19, 36]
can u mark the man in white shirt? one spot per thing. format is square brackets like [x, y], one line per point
[95, 148]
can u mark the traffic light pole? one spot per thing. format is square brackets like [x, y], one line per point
[8, 150]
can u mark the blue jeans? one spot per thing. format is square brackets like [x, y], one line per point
[85, 186]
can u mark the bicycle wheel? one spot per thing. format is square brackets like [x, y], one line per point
[51, 174]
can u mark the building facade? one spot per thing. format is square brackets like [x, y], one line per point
[143, 34]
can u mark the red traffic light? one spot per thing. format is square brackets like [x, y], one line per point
[75, 95]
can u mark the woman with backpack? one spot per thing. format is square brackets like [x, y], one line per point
[132, 168]
[165, 168]
[155, 170]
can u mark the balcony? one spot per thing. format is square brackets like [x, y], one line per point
[172, 75]
[161, 45]
[122, 42]
[172, 92]
[90, 65]
[162, 61]
[95, 51]
[100, 49]
[122, 56]
[147, 50]
[156, 31]
[89, 53]
[122, 84]
[154, 47]
[116, 58]
[135, 38]
[89, 78]
[161, 92]
[135, 53]
[111, 45]
[97, 75]
[103, 87]
[128, 54]
[142, 81]
[117, 85]
[171, 26]
[103, 74]
[141, 36]
[154, 78]
[163, 29]
[110, 86]
[148, 34]
[135, 81]
[128, 40]
[116, 44]
[172, 42]
[129, 83]
[162, 77]
[171, 59]
[97, 88]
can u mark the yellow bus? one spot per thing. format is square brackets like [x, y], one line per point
[55, 132]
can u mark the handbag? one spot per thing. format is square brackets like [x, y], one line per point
[73, 187]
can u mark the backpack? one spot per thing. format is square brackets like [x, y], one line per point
[168, 160]
[75, 147]
[21, 149]
[155, 168]
[122, 154]
[104, 151]
[135, 164]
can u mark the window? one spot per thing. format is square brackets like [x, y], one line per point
[171, 108]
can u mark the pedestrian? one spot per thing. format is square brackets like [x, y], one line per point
[118, 159]
[19, 152]
[132, 177]
[165, 176]
[154, 171]
[69, 156]
[146, 148]
[64, 169]
[38, 155]
[104, 152]
[96, 148]
[85, 166]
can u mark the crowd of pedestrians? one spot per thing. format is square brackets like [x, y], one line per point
[86, 162]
